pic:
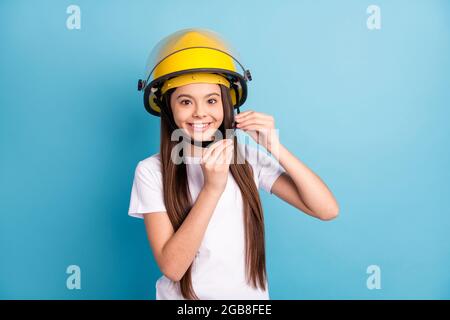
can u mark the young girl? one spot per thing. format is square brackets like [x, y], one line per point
[199, 197]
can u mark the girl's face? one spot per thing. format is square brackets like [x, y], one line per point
[197, 108]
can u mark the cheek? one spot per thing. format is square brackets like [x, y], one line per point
[218, 113]
[180, 114]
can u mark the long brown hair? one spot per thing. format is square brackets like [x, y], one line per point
[178, 201]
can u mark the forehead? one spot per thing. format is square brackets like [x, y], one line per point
[199, 89]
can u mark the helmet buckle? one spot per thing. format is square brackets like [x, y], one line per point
[248, 75]
[141, 84]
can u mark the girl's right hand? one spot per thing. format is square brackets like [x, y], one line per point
[215, 165]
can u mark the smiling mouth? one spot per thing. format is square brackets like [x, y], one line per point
[199, 126]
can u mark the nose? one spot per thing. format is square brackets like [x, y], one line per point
[200, 110]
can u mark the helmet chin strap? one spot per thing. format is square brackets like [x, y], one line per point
[203, 144]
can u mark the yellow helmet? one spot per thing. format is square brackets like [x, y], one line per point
[190, 56]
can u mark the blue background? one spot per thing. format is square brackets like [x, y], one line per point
[367, 110]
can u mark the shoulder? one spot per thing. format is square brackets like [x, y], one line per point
[152, 162]
[149, 166]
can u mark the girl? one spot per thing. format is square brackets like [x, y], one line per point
[199, 197]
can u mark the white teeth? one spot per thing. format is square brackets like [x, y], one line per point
[199, 126]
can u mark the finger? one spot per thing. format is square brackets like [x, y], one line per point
[217, 156]
[256, 127]
[253, 122]
[228, 151]
[255, 117]
[243, 114]
[229, 154]
[220, 159]
[252, 114]
[211, 149]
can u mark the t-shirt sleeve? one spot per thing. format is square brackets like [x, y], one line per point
[266, 168]
[146, 192]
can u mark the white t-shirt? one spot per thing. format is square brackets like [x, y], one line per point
[218, 270]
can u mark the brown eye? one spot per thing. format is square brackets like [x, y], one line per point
[182, 102]
[212, 100]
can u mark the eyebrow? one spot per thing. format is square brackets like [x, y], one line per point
[189, 96]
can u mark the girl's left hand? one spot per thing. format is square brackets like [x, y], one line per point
[259, 126]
